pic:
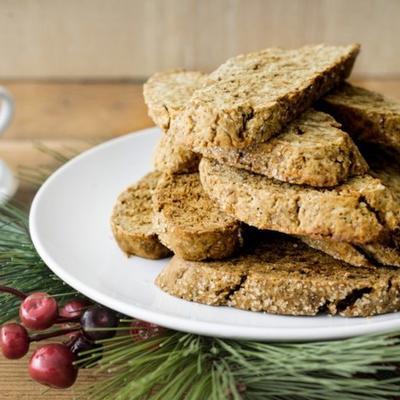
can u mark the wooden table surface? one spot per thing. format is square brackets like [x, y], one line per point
[74, 115]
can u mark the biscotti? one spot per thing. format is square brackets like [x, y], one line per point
[367, 116]
[251, 97]
[312, 150]
[385, 165]
[370, 254]
[359, 211]
[189, 223]
[284, 276]
[172, 157]
[131, 220]
[166, 94]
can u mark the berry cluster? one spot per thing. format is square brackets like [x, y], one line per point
[82, 323]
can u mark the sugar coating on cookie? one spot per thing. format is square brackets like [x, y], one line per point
[281, 275]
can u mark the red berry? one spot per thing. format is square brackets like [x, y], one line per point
[142, 330]
[38, 311]
[74, 308]
[99, 317]
[52, 365]
[14, 341]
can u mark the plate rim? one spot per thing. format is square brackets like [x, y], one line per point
[180, 323]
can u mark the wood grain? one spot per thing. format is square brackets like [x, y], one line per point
[73, 110]
[22, 154]
[17, 385]
[134, 38]
[72, 115]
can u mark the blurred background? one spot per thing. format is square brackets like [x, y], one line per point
[130, 39]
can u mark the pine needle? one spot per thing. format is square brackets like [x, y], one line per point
[39, 174]
[186, 366]
[20, 265]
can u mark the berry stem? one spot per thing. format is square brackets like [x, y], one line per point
[43, 336]
[15, 292]
[63, 320]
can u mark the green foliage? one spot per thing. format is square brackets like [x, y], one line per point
[20, 265]
[185, 366]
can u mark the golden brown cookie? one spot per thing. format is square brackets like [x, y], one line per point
[173, 157]
[368, 116]
[359, 211]
[251, 97]
[369, 254]
[189, 223]
[131, 220]
[166, 94]
[312, 150]
[284, 276]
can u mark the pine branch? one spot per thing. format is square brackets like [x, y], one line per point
[40, 173]
[20, 265]
[186, 366]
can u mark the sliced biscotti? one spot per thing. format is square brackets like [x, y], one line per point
[312, 150]
[131, 220]
[166, 94]
[172, 157]
[284, 276]
[385, 165]
[367, 116]
[358, 211]
[189, 223]
[251, 97]
[370, 254]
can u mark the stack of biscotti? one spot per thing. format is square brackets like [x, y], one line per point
[265, 194]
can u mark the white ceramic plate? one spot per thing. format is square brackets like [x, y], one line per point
[69, 224]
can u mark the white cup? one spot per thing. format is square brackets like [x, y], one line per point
[8, 183]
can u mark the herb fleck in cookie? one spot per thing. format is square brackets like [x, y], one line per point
[385, 166]
[359, 211]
